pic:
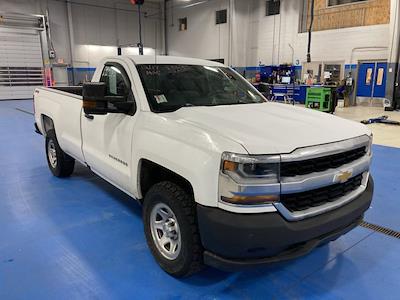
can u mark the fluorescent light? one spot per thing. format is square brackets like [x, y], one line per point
[135, 51]
[194, 4]
[110, 50]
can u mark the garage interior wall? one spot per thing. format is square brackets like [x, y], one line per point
[95, 26]
[98, 28]
[254, 38]
[249, 37]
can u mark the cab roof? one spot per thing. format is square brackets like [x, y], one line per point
[162, 59]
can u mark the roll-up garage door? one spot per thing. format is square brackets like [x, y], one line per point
[21, 64]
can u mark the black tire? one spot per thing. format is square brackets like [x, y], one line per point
[189, 259]
[64, 164]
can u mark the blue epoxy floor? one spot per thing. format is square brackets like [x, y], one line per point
[81, 238]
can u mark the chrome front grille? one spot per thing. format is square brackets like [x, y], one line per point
[321, 178]
[314, 198]
[320, 164]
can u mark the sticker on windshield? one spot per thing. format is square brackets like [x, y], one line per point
[161, 98]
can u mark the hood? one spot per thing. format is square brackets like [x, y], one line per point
[270, 128]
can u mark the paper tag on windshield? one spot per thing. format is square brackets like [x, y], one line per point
[161, 98]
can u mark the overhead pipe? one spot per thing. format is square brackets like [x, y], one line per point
[140, 44]
[165, 28]
[231, 8]
[291, 48]
[396, 97]
[71, 38]
[310, 32]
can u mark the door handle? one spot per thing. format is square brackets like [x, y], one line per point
[90, 117]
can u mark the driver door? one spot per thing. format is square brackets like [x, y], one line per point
[107, 139]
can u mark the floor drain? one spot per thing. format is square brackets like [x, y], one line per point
[381, 229]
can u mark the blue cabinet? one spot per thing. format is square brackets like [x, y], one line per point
[299, 92]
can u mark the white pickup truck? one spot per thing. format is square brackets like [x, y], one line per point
[225, 177]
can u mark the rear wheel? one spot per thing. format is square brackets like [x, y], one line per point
[170, 225]
[60, 163]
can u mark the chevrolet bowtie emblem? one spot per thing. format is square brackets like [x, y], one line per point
[343, 176]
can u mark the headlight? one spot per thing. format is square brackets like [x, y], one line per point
[249, 180]
[251, 169]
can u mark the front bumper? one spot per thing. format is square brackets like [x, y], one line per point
[236, 241]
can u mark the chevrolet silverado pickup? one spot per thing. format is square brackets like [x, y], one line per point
[226, 178]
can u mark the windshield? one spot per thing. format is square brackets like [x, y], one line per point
[170, 87]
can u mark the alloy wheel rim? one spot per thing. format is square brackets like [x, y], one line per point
[52, 153]
[165, 231]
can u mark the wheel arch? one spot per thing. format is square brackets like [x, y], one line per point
[47, 123]
[150, 173]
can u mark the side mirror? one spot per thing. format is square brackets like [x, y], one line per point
[96, 102]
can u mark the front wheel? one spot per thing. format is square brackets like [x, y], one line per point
[171, 230]
[60, 163]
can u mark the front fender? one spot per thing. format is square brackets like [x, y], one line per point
[184, 149]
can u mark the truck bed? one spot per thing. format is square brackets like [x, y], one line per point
[63, 105]
[76, 90]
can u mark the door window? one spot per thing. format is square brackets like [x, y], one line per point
[117, 83]
[368, 78]
[379, 80]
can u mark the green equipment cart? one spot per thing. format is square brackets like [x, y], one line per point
[320, 98]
